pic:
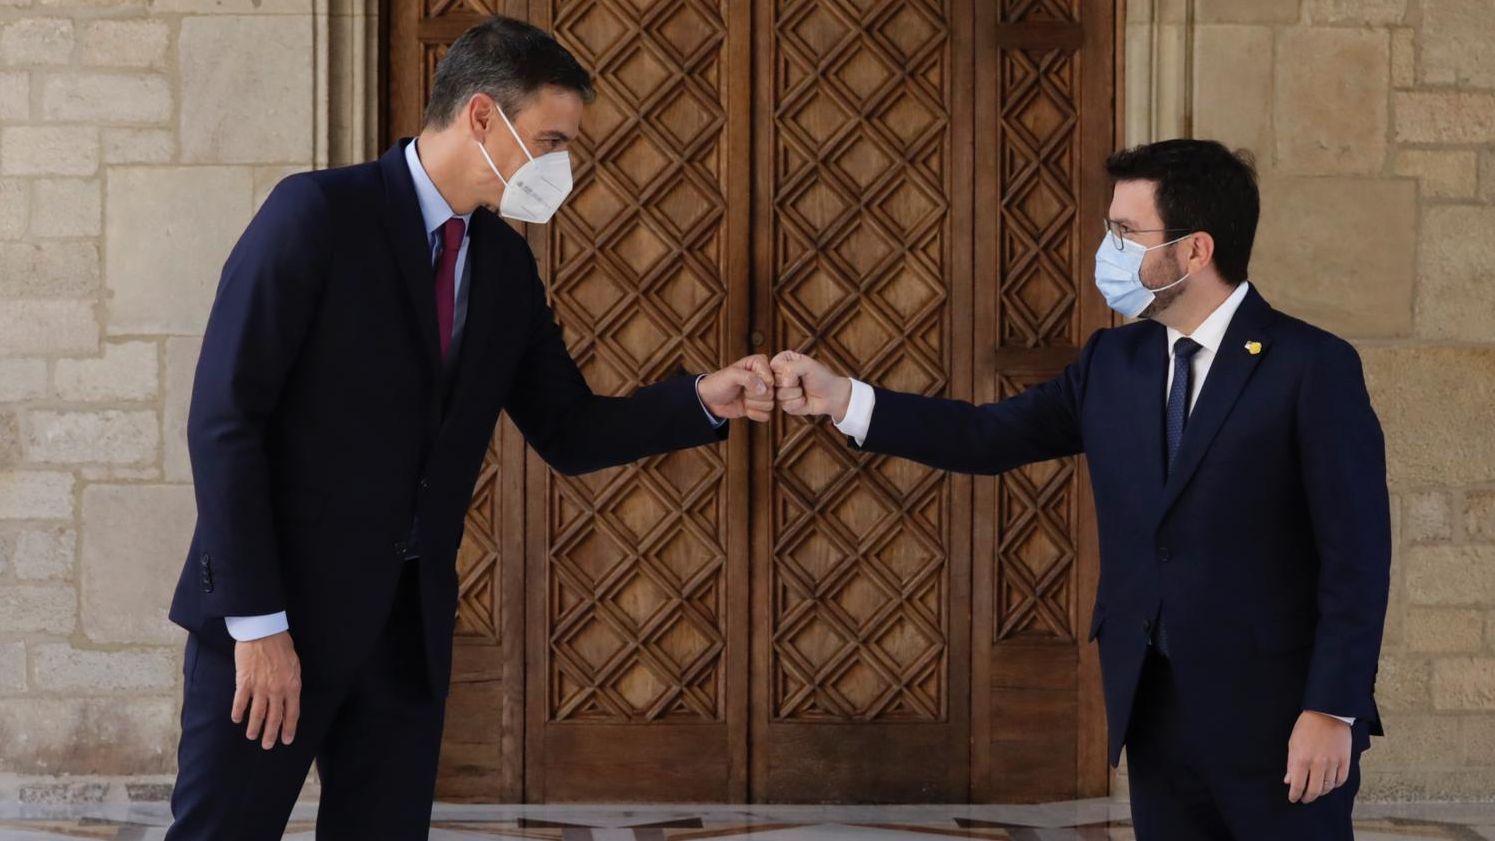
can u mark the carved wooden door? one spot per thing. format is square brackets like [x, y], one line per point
[638, 575]
[862, 567]
[905, 188]
[1046, 118]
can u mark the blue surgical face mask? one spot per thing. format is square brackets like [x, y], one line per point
[1118, 275]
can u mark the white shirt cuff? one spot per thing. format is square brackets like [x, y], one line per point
[251, 628]
[858, 412]
[1346, 719]
[715, 421]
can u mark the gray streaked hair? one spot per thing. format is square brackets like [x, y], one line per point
[506, 59]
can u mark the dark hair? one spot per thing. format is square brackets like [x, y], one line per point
[508, 60]
[1201, 186]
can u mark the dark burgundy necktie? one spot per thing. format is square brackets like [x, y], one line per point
[446, 280]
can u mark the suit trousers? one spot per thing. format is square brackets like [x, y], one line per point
[1182, 790]
[375, 740]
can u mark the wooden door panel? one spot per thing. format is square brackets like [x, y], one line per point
[481, 757]
[1045, 85]
[633, 594]
[864, 211]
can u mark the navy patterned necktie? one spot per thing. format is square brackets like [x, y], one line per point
[1178, 417]
[1178, 396]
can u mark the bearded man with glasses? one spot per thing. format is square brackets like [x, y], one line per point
[1240, 490]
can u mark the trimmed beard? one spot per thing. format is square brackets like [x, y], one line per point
[1164, 299]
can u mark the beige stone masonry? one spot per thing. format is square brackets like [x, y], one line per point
[1348, 67]
[134, 541]
[1373, 126]
[127, 371]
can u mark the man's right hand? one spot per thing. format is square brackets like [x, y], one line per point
[268, 687]
[805, 387]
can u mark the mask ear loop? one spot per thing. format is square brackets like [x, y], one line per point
[522, 147]
[1186, 276]
[486, 157]
[1146, 249]
[545, 282]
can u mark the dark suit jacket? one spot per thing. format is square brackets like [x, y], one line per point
[323, 423]
[1267, 550]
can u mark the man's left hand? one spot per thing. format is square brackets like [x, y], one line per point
[1318, 757]
[741, 390]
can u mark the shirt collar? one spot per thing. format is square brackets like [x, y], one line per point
[433, 208]
[1212, 332]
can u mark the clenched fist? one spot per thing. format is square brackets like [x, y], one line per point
[805, 387]
[742, 390]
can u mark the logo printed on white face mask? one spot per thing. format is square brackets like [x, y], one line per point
[535, 191]
[1118, 275]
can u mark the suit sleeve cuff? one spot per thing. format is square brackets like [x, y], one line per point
[858, 412]
[251, 628]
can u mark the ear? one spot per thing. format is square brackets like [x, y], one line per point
[480, 114]
[1201, 251]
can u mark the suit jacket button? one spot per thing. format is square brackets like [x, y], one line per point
[205, 560]
[399, 549]
[1163, 554]
[425, 483]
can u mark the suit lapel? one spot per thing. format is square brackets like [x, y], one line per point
[1228, 375]
[405, 228]
[1149, 367]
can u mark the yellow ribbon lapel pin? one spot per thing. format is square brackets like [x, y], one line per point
[1253, 348]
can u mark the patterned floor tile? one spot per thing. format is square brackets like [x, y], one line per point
[1094, 820]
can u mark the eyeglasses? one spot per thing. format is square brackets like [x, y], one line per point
[1119, 232]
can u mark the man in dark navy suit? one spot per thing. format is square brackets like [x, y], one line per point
[370, 326]
[1240, 491]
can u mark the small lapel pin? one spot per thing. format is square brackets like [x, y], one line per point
[1253, 348]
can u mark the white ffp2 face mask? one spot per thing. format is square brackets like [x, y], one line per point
[535, 191]
[1118, 275]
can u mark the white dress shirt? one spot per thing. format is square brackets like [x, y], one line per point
[434, 211]
[1209, 335]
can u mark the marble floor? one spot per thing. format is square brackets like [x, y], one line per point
[1088, 820]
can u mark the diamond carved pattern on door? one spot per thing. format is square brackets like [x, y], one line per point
[1037, 518]
[478, 557]
[860, 578]
[453, 8]
[1038, 147]
[636, 555]
[1029, 11]
[1045, 94]
[1038, 265]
